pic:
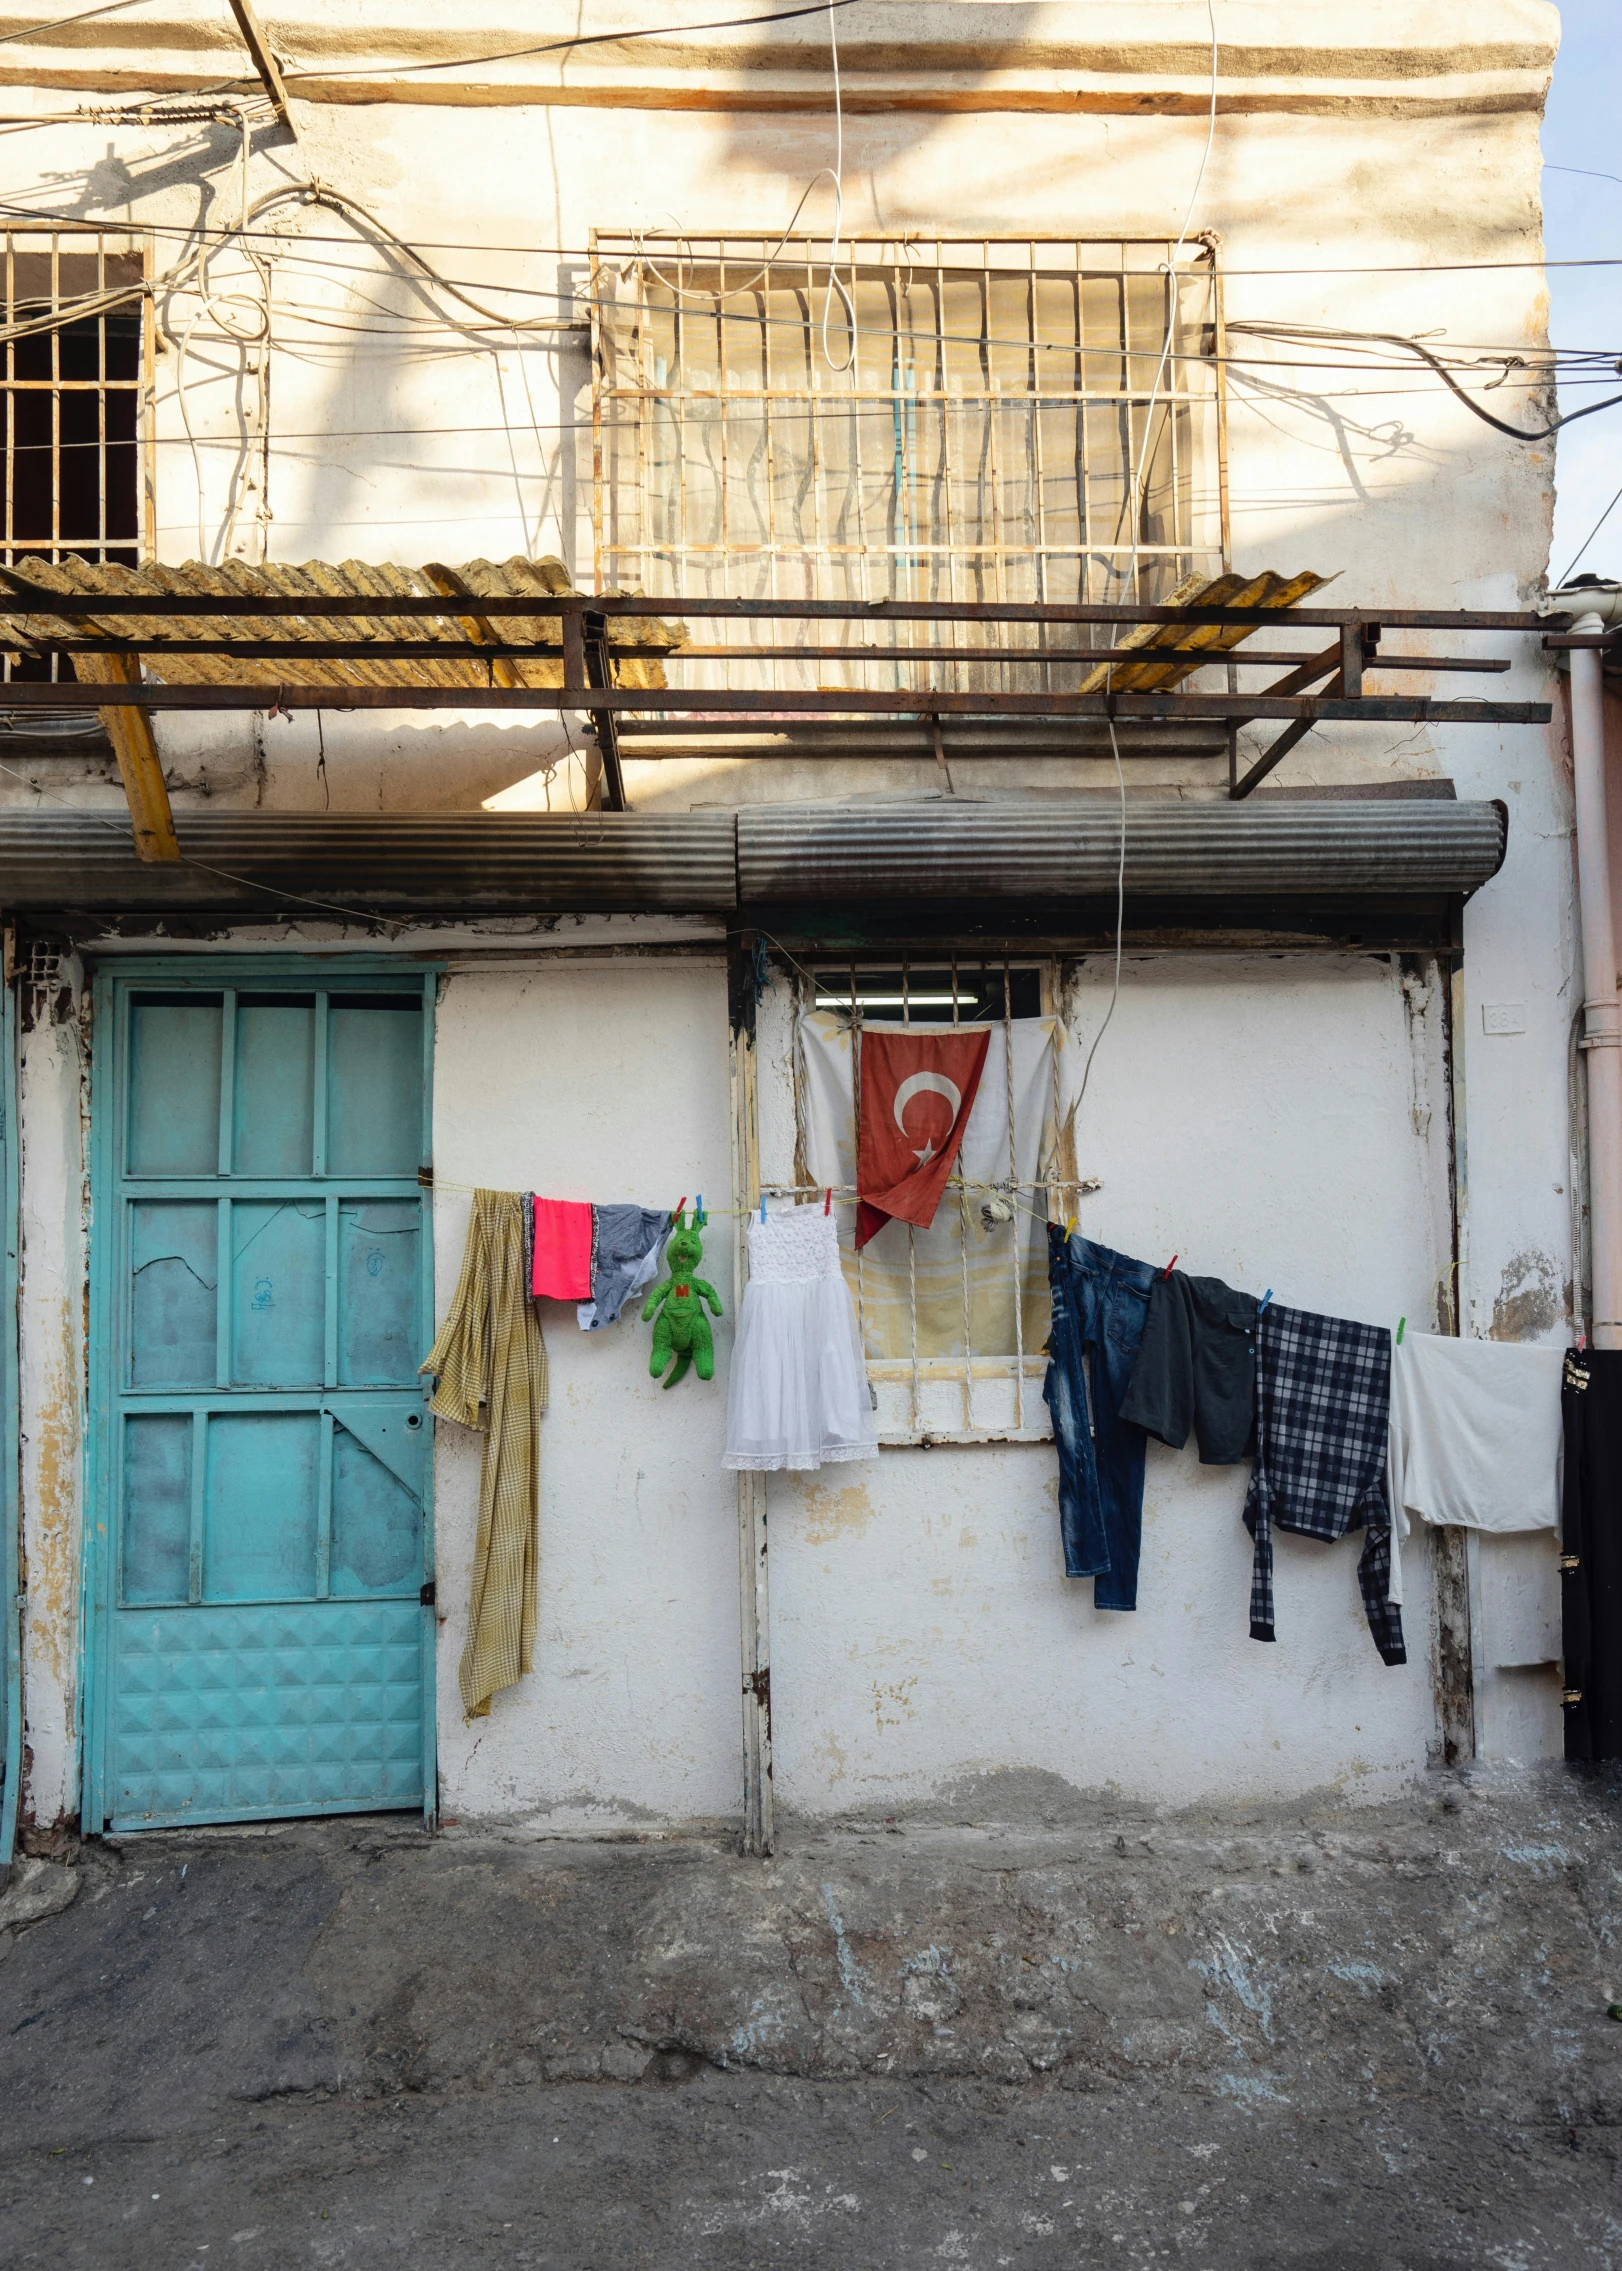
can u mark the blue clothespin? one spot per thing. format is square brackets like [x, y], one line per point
[1262, 1304]
[698, 1210]
[762, 1206]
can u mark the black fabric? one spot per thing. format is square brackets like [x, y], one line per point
[1591, 1559]
[1197, 1367]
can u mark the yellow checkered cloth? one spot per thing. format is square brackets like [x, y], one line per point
[490, 1356]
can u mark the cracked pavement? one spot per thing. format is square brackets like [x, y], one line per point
[1319, 2035]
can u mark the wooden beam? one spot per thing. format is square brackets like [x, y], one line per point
[270, 76]
[139, 765]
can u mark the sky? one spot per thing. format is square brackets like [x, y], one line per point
[1582, 220]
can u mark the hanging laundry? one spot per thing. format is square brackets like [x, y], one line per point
[1475, 1436]
[562, 1255]
[624, 1257]
[1591, 1556]
[1323, 1399]
[798, 1395]
[489, 1359]
[1100, 1306]
[916, 1092]
[1197, 1367]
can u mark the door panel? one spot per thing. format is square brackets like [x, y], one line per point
[380, 1324]
[174, 1257]
[278, 1293]
[259, 1507]
[263, 1647]
[274, 1089]
[174, 1084]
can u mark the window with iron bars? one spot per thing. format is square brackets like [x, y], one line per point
[1030, 421]
[954, 1319]
[73, 392]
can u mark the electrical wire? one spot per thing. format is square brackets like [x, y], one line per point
[1120, 921]
[1587, 172]
[1286, 331]
[556, 46]
[61, 23]
[1132, 503]
[31, 215]
[1589, 538]
[248, 883]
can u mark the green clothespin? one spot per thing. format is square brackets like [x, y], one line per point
[1401, 1321]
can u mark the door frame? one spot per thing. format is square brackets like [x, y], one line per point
[11, 1599]
[113, 979]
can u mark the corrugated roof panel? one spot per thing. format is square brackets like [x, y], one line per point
[1228, 590]
[464, 626]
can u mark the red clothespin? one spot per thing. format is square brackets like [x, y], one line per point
[1170, 1266]
[828, 1202]
[681, 1204]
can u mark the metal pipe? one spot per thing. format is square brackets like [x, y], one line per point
[1602, 1011]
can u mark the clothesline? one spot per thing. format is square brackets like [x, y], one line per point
[844, 1191]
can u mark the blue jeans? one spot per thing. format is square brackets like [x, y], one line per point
[1100, 1307]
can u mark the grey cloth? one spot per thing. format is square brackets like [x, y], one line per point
[1197, 1367]
[625, 1246]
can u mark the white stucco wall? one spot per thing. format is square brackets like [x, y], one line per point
[1276, 1122]
[1369, 166]
[604, 1080]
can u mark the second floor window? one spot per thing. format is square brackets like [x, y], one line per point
[1028, 421]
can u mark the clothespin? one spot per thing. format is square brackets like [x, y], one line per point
[1070, 1226]
[828, 1202]
[1170, 1266]
[1262, 1303]
[681, 1203]
[762, 1206]
[698, 1210]
[1401, 1321]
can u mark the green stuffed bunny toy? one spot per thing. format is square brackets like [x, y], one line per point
[681, 1327]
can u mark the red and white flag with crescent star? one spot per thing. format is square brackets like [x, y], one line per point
[917, 1091]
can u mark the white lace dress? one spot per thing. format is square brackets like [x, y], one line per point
[798, 1394]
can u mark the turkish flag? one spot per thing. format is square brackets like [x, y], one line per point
[918, 1089]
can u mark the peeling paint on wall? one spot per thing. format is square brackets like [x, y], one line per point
[1531, 1301]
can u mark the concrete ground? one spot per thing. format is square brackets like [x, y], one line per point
[1350, 2039]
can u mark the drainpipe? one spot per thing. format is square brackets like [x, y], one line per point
[1597, 607]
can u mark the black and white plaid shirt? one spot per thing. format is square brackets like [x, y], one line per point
[1323, 1402]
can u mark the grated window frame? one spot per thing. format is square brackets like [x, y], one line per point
[996, 530]
[64, 248]
[1023, 1368]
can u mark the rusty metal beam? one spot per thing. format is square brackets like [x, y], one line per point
[477, 648]
[1275, 755]
[825, 702]
[270, 76]
[599, 670]
[139, 765]
[65, 606]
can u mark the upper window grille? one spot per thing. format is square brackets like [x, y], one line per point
[976, 422]
[953, 1319]
[73, 403]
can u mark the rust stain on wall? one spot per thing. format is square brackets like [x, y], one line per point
[831, 1514]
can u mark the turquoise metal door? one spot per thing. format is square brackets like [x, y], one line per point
[262, 1623]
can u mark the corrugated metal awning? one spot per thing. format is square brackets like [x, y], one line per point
[831, 868]
[957, 851]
